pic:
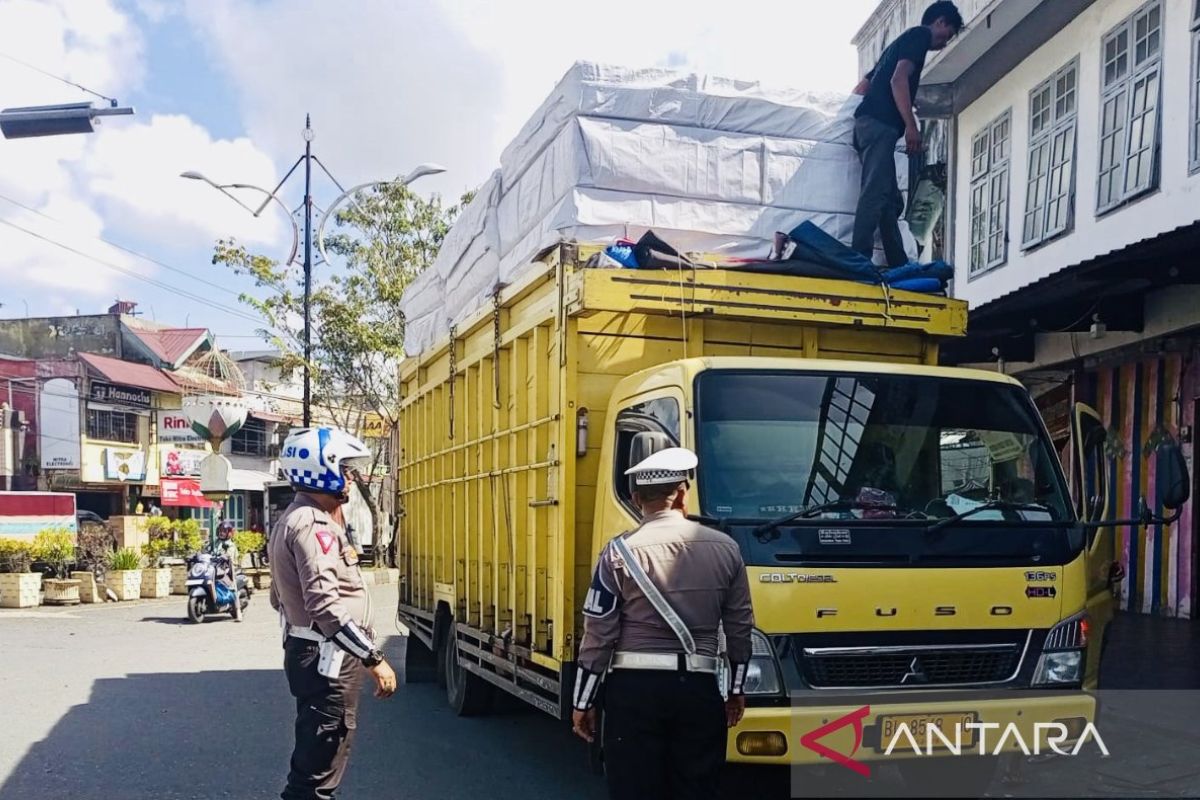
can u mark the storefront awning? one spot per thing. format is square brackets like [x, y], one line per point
[249, 480]
[184, 493]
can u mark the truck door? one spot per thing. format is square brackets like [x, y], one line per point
[660, 413]
[1091, 491]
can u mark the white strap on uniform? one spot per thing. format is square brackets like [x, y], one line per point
[664, 609]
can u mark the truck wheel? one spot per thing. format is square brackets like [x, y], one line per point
[420, 663]
[468, 694]
[948, 777]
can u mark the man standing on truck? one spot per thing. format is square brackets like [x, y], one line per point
[650, 622]
[324, 607]
[884, 116]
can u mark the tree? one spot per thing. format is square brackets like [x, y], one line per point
[386, 236]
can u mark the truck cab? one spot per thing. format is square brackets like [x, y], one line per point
[912, 545]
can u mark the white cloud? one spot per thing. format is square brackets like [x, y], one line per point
[389, 85]
[398, 83]
[134, 171]
[121, 182]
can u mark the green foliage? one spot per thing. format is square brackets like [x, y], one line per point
[155, 550]
[125, 558]
[386, 236]
[189, 538]
[172, 538]
[55, 546]
[16, 555]
[248, 542]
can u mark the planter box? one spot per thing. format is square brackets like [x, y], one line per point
[262, 579]
[126, 584]
[156, 583]
[20, 589]
[88, 593]
[179, 579]
[61, 591]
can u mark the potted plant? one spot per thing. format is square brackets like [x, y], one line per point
[56, 546]
[186, 540]
[93, 543]
[156, 578]
[249, 544]
[124, 578]
[19, 587]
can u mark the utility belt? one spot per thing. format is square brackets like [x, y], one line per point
[666, 662]
[329, 655]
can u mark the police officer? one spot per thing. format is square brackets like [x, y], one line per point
[324, 608]
[665, 722]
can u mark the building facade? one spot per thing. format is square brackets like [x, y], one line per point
[1073, 163]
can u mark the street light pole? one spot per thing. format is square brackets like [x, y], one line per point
[308, 204]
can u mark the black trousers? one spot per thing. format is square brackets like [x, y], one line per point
[879, 200]
[664, 735]
[326, 718]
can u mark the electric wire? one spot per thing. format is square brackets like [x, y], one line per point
[130, 273]
[59, 78]
[127, 250]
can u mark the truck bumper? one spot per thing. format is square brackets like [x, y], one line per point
[765, 731]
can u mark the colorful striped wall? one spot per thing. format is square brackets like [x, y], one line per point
[1135, 398]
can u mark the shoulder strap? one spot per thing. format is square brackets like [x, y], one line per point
[664, 609]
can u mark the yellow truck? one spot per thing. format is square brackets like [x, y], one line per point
[907, 528]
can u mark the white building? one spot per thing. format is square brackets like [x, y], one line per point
[1073, 131]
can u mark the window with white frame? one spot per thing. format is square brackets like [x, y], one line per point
[1050, 181]
[1194, 151]
[990, 151]
[1130, 79]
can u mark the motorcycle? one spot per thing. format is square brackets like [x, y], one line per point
[210, 589]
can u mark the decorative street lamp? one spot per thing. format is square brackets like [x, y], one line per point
[307, 158]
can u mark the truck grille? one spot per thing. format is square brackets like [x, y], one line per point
[911, 666]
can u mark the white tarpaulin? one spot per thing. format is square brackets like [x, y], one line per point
[710, 164]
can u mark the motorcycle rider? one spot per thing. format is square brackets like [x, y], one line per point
[325, 608]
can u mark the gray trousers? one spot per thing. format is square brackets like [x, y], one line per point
[326, 718]
[879, 201]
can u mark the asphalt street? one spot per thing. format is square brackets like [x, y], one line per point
[130, 701]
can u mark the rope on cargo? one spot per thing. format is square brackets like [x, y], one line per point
[683, 304]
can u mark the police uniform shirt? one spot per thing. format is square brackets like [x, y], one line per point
[701, 574]
[315, 577]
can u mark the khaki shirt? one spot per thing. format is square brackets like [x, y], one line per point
[699, 571]
[315, 576]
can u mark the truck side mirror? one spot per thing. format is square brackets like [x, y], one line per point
[1171, 476]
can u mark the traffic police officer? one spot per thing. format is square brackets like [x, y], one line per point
[324, 608]
[665, 723]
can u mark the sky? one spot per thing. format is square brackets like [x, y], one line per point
[222, 87]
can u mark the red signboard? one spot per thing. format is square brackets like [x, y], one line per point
[183, 493]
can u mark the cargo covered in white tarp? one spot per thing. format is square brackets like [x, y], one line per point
[711, 165]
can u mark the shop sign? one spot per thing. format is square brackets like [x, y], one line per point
[174, 427]
[124, 465]
[119, 395]
[176, 463]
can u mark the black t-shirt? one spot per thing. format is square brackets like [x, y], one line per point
[912, 45]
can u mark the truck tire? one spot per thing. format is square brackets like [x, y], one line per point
[420, 663]
[468, 694]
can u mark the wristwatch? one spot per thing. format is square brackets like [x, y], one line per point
[374, 658]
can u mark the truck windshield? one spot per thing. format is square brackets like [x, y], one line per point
[917, 447]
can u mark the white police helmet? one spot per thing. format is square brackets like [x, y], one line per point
[313, 459]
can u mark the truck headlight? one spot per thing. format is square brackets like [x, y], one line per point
[1059, 668]
[762, 673]
[1062, 662]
